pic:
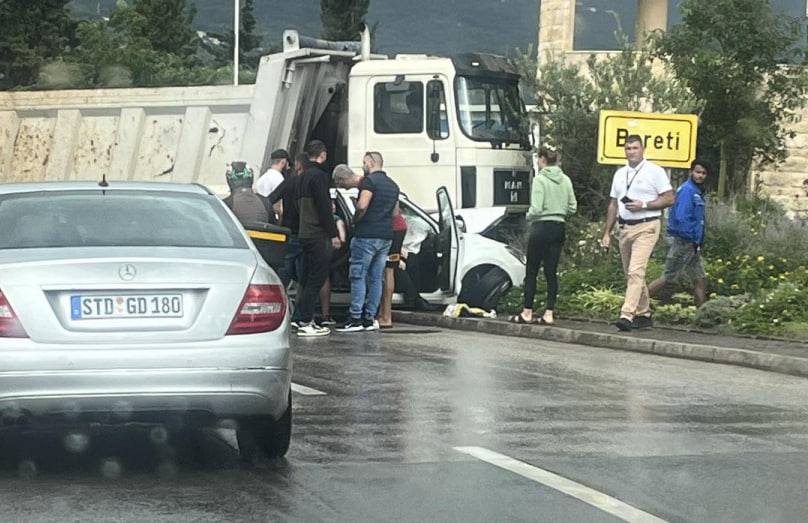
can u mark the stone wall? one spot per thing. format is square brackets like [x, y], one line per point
[784, 183]
[556, 26]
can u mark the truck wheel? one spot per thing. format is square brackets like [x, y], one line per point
[264, 433]
[484, 290]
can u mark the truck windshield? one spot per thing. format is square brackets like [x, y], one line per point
[491, 110]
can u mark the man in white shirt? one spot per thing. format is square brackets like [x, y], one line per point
[640, 191]
[274, 175]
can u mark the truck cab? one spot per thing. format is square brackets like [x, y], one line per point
[458, 123]
[455, 122]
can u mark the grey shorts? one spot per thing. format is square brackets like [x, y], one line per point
[682, 258]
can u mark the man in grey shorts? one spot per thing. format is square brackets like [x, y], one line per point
[686, 233]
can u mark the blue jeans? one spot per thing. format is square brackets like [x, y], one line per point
[293, 262]
[368, 258]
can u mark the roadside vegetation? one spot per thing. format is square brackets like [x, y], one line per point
[756, 260]
[737, 64]
[141, 43]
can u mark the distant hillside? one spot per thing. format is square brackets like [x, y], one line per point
[412, 26]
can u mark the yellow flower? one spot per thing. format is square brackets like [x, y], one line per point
[720, 280]
[760, 258]
[719, 260]
[713, 295]
[736, 286]
[771, 267]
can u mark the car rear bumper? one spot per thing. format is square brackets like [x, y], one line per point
[124, 395]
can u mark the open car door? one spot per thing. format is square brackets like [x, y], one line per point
[449, 241]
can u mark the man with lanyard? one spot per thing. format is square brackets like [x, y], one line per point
[373, 236]
[640, 191]
[686, 233]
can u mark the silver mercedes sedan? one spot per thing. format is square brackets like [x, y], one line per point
[128, 301]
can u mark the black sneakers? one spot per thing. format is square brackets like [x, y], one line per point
[352, 325]
[639, 322]
[642, 322]
[624, 324]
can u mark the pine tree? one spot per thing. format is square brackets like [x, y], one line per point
[32, 33]
[168, 25]
[250, 48]
[248, 39]
[343, 19]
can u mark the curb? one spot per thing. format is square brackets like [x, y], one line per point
[709, 353]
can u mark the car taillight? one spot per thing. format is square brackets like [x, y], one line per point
[262, 310]
[10, 326]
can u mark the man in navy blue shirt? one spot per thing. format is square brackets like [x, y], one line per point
[686, 234]
[373, 235]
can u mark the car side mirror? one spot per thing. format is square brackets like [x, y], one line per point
[461, 223]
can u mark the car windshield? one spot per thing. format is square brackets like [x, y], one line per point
[490, 110]
[95, 218]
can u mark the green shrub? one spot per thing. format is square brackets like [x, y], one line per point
[602, 303]
[755, 258]
[769, 311]
[718, 311]
[674, 313]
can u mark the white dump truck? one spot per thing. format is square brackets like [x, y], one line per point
[455, 122]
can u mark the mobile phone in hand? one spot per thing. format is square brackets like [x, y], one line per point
[626, 199]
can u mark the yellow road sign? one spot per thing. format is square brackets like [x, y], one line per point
[670, 139]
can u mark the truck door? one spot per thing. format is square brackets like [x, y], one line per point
[407, 122]
[449, 238]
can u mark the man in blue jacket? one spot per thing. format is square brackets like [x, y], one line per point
[686, 233]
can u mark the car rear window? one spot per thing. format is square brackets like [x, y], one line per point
[97, 218]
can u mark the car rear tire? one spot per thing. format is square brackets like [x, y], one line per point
[485, 289]
[266, 434]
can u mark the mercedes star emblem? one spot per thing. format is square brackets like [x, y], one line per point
[127, 272]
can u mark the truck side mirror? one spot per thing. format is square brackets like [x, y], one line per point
[435, 104]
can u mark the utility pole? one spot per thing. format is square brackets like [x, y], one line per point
[236, 27]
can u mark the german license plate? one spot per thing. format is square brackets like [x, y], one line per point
[126, 306]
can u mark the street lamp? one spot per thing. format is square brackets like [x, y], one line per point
[236, 25]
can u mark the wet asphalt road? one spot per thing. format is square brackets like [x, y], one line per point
[679, 440]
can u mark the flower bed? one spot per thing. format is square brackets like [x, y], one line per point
[757, 270]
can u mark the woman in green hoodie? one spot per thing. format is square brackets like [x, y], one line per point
[551, 200]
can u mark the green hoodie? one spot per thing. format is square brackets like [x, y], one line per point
[551, 197]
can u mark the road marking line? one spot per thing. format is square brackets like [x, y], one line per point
[581, 492]
[306, 391]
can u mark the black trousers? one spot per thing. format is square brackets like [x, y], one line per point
[544, 246]
[408, 281]
[316, 265]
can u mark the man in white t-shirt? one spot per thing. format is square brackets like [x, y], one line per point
[274, 176]
[640, 191]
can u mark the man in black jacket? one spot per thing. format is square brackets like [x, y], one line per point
[318, 235]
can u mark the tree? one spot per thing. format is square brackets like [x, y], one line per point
[119, 51]
[220, 45]
[343, 19]
[570, 101]
[731, 55]
[167, 25]
[32, 33]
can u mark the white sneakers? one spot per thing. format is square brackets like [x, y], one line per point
[308, 330]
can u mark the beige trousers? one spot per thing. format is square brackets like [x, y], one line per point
[636, 245]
